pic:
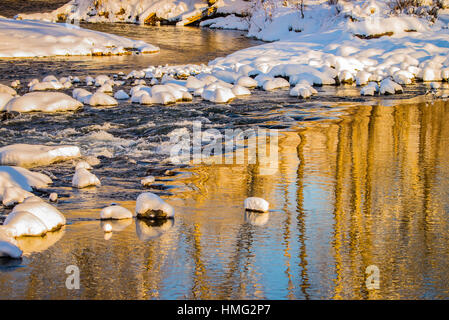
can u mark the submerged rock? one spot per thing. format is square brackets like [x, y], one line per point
[151, 206]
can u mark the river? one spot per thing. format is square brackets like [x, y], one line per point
[358, 182]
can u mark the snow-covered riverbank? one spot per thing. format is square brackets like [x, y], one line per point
[39, 39]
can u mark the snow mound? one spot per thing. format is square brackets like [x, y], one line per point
[49, 215]
[256, 204]
[100, 99]
[43, 101]
[23, 223]
[4, 99]
[16, 184]
[150, 205]
[24, 38]
[8, 246]
[83, 179]
[26, 155]
[115, 213]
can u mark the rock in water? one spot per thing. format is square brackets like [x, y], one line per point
[147, 180]
[151, 206]
[256, 204]
[115, 213]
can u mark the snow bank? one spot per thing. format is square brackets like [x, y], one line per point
[136, 11]
[42, 101]
[150, 205]
[24, 38]
[26, 155]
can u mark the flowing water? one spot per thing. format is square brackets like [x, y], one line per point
[358, 182]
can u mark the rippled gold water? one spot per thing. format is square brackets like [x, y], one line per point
[368, 189]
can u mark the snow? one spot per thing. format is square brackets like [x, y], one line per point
[303, 90]
[43, 101]
[8, 90]
[26, 155]
[121, 95]
[83, 179]
[16, 184]
[150, 205]
[23, 223]
[147, 180]
[9, 250]
[49, 215]
[217, 94]
[4, 99]
[83, 165]
[100, 99]
[26, 38]
[256, 204]
[8, 246]
[116, 213]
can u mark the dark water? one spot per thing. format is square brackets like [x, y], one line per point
[9, 8]
[358, 182]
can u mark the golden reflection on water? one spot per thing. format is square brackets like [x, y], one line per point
[368, 189]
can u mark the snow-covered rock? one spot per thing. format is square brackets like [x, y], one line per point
[8, 246]
[26, 155]
[218, 95]
[276, 83]
[150, 205]
[83, 178]
[121, 95]
[238, 90]
[48, 214]
[4, 99]
[115, 212]
[53, 197]
[147, 180]
[7, 90]
[43, 101]
[101, 99]
[246, 82]
[256, 204]
[388, 86]
[23, 223]
[83, 165]
[303, 90]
